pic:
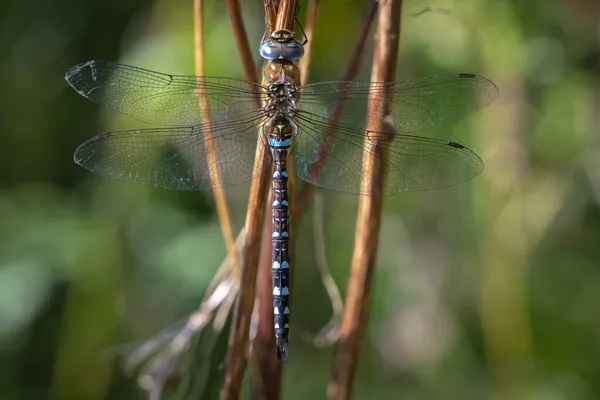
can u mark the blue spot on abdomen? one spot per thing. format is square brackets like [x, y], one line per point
[280, 143]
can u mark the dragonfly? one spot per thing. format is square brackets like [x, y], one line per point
[206, 132]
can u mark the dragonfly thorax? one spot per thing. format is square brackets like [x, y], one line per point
[282, 100]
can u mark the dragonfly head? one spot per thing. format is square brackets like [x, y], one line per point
[282, 45]
[283, 35]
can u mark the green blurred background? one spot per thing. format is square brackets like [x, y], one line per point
[486, 290]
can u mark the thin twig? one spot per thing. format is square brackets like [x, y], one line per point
[218, 191]
[330, 333]
[428, 9]
[241, 38]
[268, 382]
[311, 20]
[304, 198]
[169, 359]
[304, 67]
[200, 379]
[369, 207]
[240, 329]
[244, 49]
[224, 287]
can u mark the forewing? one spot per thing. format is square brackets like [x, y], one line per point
[177, 158]
[414, 105]
[330, 155]
[162, 99]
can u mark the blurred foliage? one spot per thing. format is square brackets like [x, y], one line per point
[486, 290]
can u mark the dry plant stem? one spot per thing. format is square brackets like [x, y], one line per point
[270, 369]
[369, 209]
[241, 38]
[330, 332]
[271, 7]
[268, 382]
[218, 298]
[304, 67]
[311, 20]
[285, 14]
[218, 191]
[196, 323]
[240, 329]
[224, 286]
[304, 198]
[239, 336]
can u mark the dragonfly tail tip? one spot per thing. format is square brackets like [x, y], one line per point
[282, 350]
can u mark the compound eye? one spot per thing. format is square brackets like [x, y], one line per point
[292, 51]
[270, 50]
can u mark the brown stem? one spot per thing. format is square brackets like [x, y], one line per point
[218, 191]
[271, 7]
[305, 196]
[268, 384]
[160, 370]
[285, 15]
[241, 38]
[240, 329]
[268, 368]
[369, 208]
[330, 333]
[311, 20]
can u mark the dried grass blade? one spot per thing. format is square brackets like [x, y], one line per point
[223, 288]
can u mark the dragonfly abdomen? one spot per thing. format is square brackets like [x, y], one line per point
[280, 131]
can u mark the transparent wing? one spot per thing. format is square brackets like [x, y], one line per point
[415, 105]
[162, 99]
[330, 155]
[176, 158]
